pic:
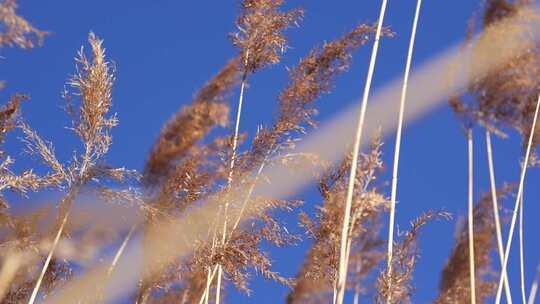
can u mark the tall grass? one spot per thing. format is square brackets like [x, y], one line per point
[345, 238]
[397, 148]
[493, 188]
[470, 213]
[517, 205]
[208, 203]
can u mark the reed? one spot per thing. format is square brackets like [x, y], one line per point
[210, 199]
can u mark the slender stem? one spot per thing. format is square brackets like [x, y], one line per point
[516, 206]
[248, 196]
[494, 200]
[356, 298]
[120, 250]
[534, 286]
[205, 296]
[231, 168]
[393, 196]
[234, 148]
[48, 260]
[218, 283]
[471, 217]
[334, 298]
[342, 272]
[521, 253]
[356, 295]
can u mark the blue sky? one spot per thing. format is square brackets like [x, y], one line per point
[165, 50]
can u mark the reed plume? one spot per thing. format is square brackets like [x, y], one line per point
[455, 279]
[343, 260]
[506, 97]
[397, 285]
[209, 109]
[27, 180]
[317, 279]
[92, 87]
[210, 200]
[397, 147]
[17, 31]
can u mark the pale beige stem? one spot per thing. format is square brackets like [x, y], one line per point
[534, 291]
[334, 298]
[356, 295]
[494, 200]
[218, 283]
[534, 286]
[120, 250]
[205, 296]
[427, 88]
[356, 298]
[516, 206]
[521, 253]
[248, 196]
[231, 168]
[342, 271]
[48, 260]
[233, 156]
[471, 217]
[397, 148]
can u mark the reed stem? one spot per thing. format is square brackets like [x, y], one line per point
[517, 204]
[342, 271]
[494, 200]
[397, 148]
[471, 217]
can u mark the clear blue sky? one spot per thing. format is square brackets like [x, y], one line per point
[165, 50]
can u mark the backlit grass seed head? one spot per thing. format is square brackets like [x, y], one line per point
[260, 35]
[319, 271]
[17, 31]
[506, 97]
[398, 287]
[308, 80]
[454, 286]
[27, 180]
[191, 123]
[92, 85]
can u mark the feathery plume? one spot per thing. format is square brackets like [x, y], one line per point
[397, 286]
[259, 37]
[16, 30]
[455, 279]
[192, 123]
[318, 275]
